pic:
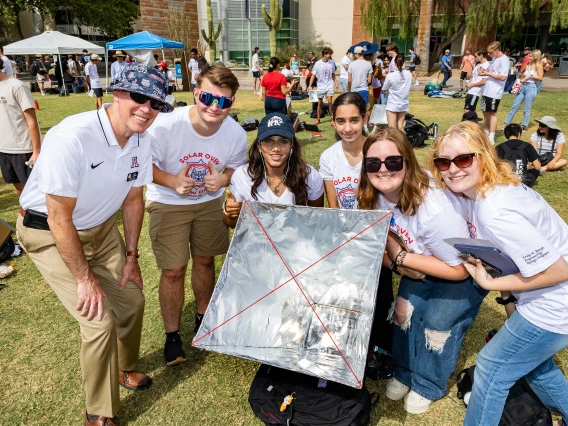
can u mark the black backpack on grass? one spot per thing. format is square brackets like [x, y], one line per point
[416, 131]
[316, 402]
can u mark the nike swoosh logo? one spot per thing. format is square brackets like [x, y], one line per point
[94, 166]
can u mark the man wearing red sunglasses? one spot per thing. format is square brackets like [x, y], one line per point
[196, 152]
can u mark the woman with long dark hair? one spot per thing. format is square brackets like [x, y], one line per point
[521, 224]
[549, 140]
[275, 88]
[275, 172]
[437, 301]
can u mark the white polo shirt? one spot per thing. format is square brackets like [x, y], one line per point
[80, 158]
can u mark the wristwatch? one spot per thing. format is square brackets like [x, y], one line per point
[135, 253]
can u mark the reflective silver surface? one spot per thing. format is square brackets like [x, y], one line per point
[260, 312]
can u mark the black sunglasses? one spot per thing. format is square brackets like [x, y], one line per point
[394, 163]
[544, 126]
[142, 99]
[463, 161]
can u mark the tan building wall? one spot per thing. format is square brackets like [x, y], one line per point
[332, 19]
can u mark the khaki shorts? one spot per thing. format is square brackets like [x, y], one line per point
[175, 230]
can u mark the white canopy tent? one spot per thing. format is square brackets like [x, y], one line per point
[52, 43]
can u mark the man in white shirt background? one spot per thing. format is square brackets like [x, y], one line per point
[91, 165]
[360, 74]
[343, 74]
[324, 70]
[255, 68]
[496, 74]
[8, 69]
[93, 79]
[193, 69]
[117, 66]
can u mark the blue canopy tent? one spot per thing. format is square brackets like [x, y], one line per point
[142, 40]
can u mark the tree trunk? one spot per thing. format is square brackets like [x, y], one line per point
[439, 49]
[423, 38]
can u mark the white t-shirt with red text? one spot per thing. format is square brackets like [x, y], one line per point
[524, 226]
[176, 143]
[335, 167]
[442, 215]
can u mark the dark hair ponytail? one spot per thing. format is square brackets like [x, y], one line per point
[400, 61]
[273, 64]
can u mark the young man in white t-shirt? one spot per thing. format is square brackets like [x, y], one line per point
[493, 91]
[93, 79]
[343, 74]
[324, 70]
[196, 151]
[360, 74]
[392, 50]
[255, 68]
[193, 69]
[476, 81]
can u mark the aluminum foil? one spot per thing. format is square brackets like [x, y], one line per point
[298, 290]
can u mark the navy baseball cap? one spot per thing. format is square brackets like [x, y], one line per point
[471, 116]
[140, 78]
[275, 124]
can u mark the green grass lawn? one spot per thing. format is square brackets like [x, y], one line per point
[40, 378]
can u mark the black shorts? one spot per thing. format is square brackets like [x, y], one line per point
[489, 104]
[13, 167]
[98, 92]
[470, 102]
[412, 68]
[256, 74]
[463, 75]
[170, 90]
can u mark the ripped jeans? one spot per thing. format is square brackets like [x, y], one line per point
[427, 345]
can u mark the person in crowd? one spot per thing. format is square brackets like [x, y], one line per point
[522, 63]
[526, 162]
[72, 65]
[512, 77]
[377, 80]
[93, 79]
[547, 65]
[8, 67]
[275, 172]
[429, 330]
[84, 59]
[68, 227]
[340, 168]
[312, 59]
[20, 142]
[295, 64]
[386, 61]
[549, 142]
[286, 72]
[298, 93]
[256, 72]
[275, 88]
[193, 70]
[324, 70]
[157, 61]
[343, 74]
[531, 75]
[496, 75]
[392, 52]
[446, 67]
[117, 66]
[128, 59]
[476, 81]
[413, 57]
[64, 76]
[169, 76]
[196, 151]
[360, 74]
[467, 64]
[522, 225]
[41, 73]
[397, 85]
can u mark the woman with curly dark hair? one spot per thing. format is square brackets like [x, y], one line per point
[275, 172]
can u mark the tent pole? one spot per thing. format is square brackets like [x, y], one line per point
[163, 55]
[62, 75]
[185, 65]
[106, 66]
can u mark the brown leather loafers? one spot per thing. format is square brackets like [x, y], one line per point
[100, 421]
[134, 380]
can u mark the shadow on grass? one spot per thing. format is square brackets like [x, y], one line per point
[309, 141]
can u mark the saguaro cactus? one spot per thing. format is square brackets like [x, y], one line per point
[274, 22]
[211, 40]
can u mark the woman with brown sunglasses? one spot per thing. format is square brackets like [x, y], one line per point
[437, 301]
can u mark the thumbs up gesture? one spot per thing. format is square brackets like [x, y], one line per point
[232, 206]
[182, 183]
[214, 180]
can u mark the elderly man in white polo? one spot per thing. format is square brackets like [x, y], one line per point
[91, 165]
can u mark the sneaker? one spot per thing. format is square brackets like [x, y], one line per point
[317, 122]
[396, 390]
[173, 352]
[416, 404]
[503, 126]
[542, 170]
[417, 84]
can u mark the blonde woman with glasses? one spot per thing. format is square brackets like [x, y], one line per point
[530, 78]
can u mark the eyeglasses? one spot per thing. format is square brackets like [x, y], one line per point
[271, 143]
[463, 161]
[394, 163]
[142, 99]
[208, 99]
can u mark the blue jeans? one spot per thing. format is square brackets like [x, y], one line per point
[539, 86]
[527, 94]
[427, 346]
[383, 98]
[511, 78]
[447, 76]
[519, 349]
[343, 82]
[274, 105]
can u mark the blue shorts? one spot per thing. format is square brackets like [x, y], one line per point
[365, 94]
